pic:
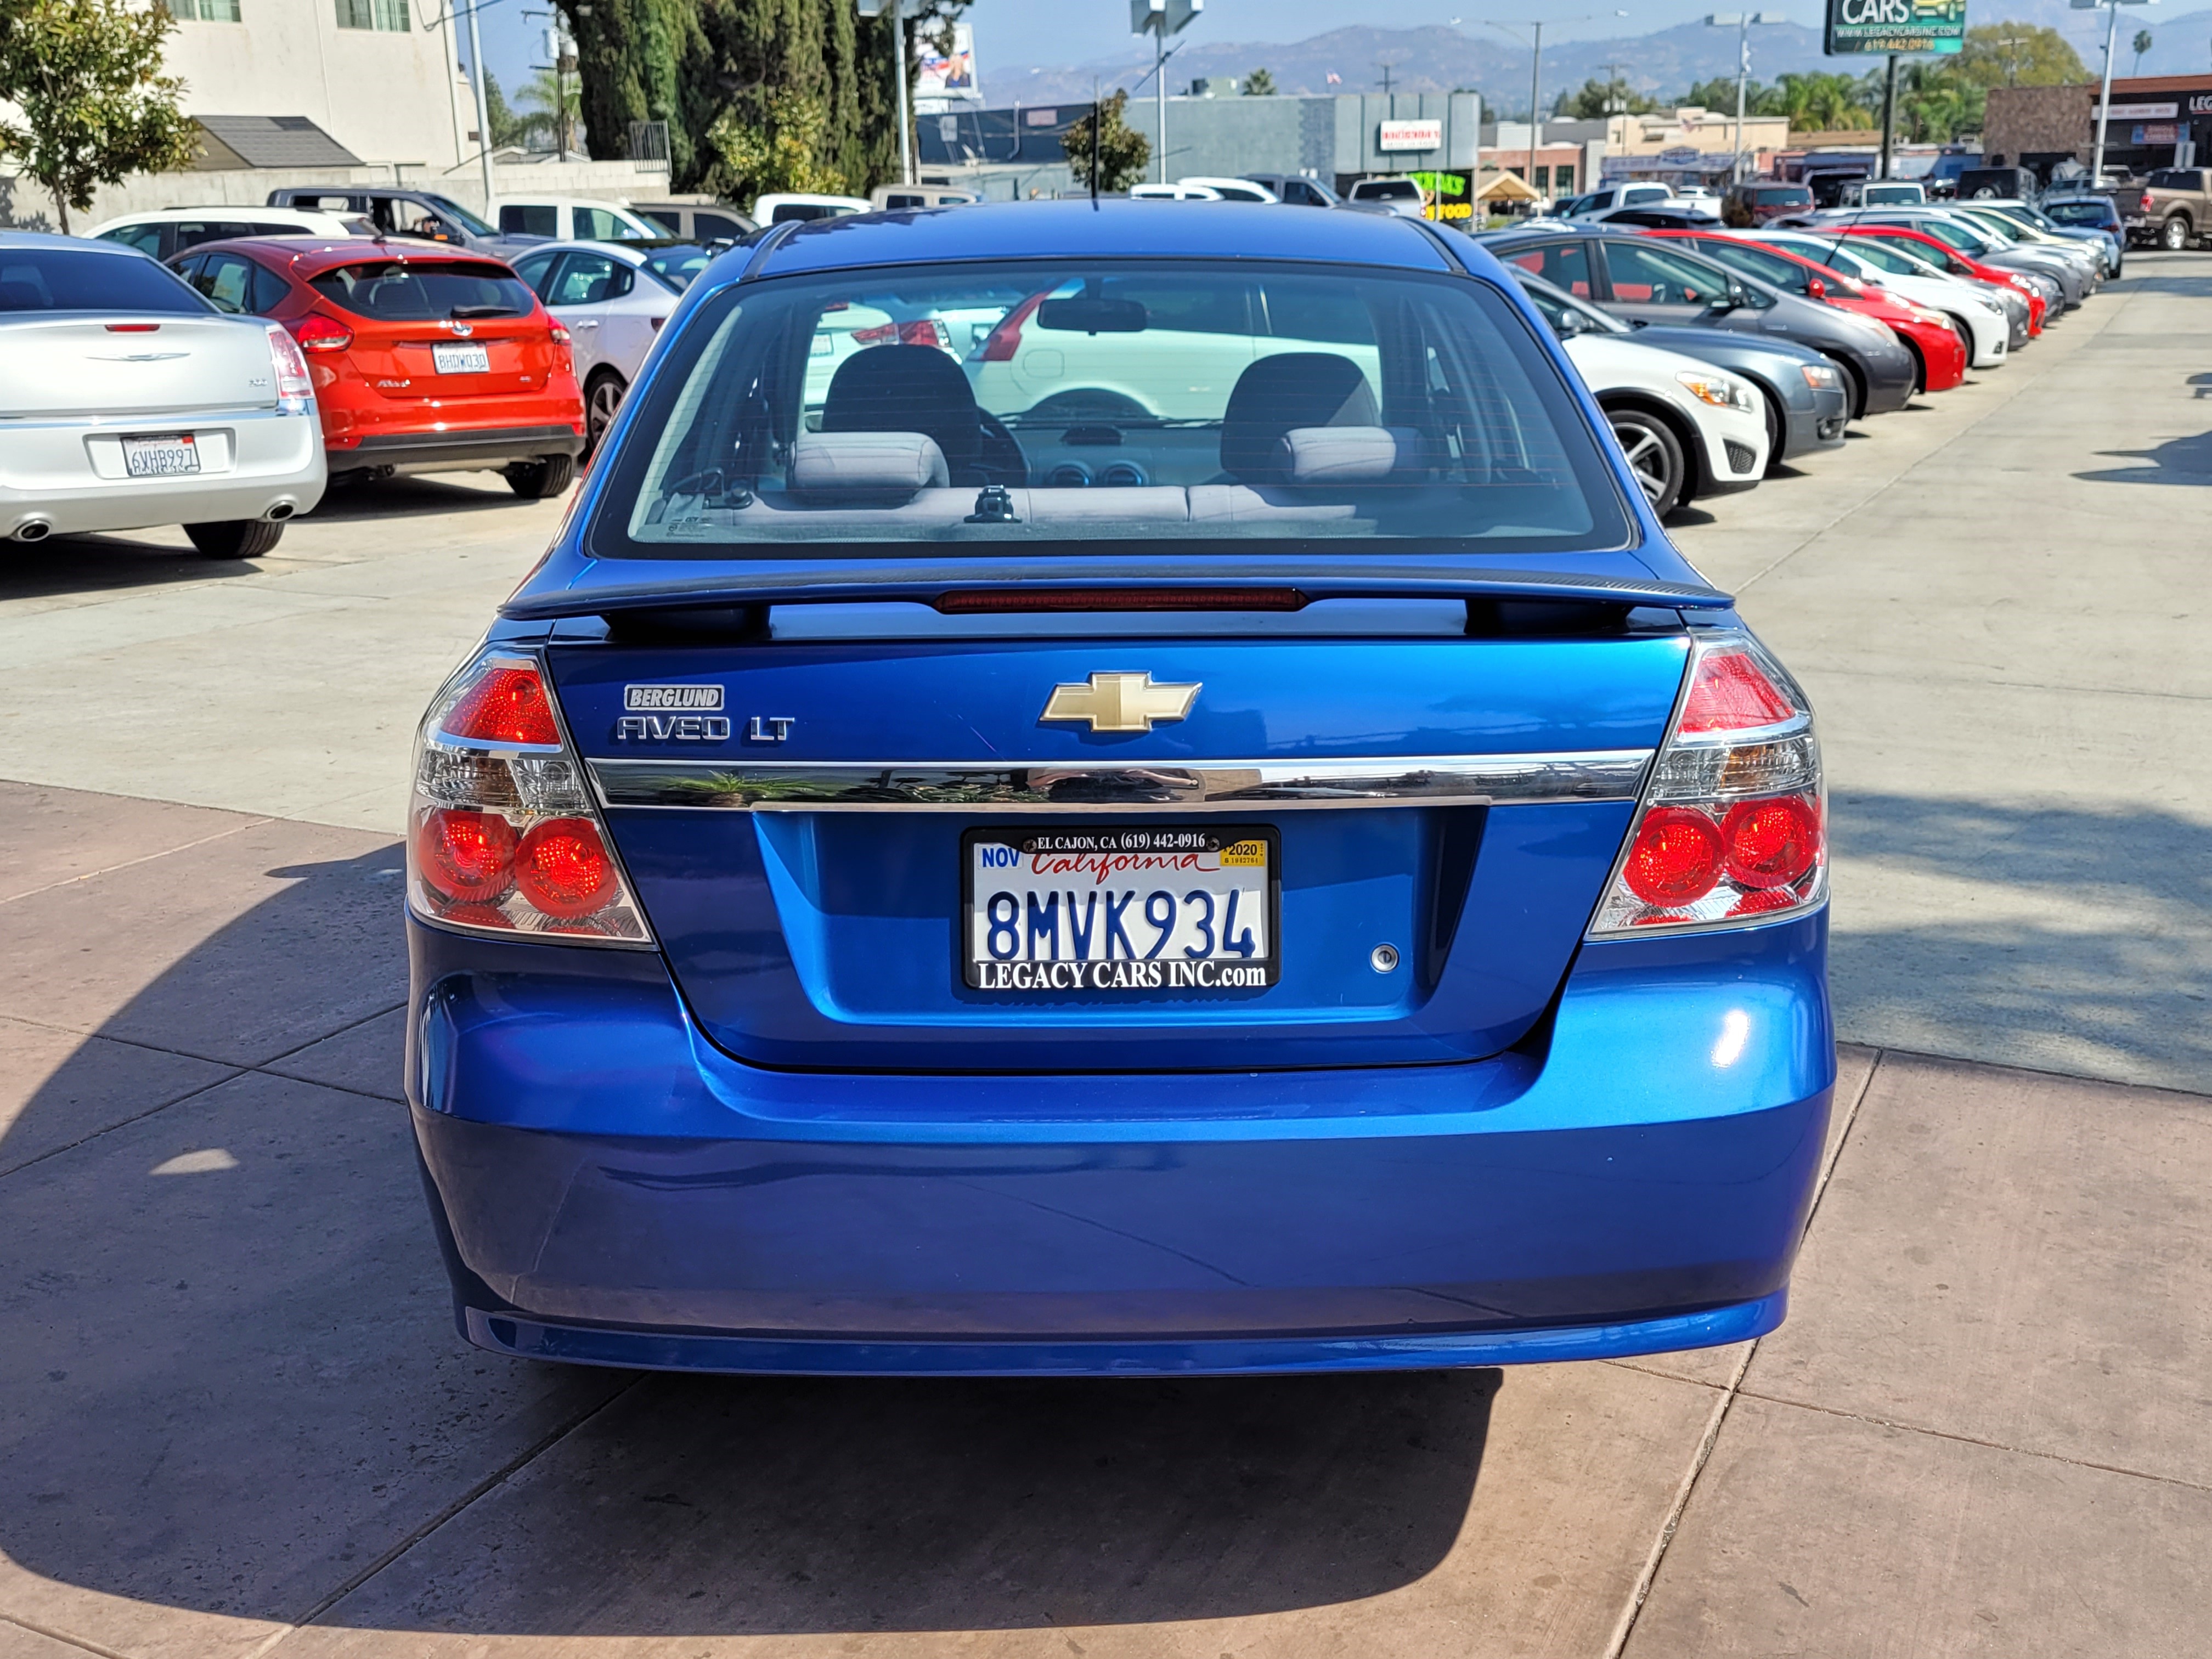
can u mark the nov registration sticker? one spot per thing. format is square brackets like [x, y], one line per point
[1111, 910]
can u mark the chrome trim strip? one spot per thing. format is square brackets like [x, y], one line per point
[1089, 786]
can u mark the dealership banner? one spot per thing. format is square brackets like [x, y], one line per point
[1901, 25]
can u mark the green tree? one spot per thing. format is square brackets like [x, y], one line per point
[542, 104]
[86, 76]
[507, 126]
[1718, 94]
[2018, 55]
[781, 150]
[1260, 83]
[1123, 152]
[1935, 102]
[2142, 44]
[1595, 99]
[1818, 101]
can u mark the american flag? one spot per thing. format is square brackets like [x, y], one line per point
[1334, 79]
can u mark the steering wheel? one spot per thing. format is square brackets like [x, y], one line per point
[1002, 459]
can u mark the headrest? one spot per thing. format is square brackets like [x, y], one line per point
[866, 464]
[1281, 393]
[1346, 454]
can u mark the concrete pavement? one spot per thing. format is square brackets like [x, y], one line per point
[233, 1418]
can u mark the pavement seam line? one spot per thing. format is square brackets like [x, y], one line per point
[122, 1123]
[483, 1488]
[2012, 393]
[166, 852]
[237, 1065]
[53, 1635]
[1957, 1438]
[1625, 1627]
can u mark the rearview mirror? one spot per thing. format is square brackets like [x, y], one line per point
[1092, 316]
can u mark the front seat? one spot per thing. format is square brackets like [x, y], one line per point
[911, 388]
[1280, 394]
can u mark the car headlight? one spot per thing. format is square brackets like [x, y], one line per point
[1717, 390]
[1923, 314]
[1821, 376]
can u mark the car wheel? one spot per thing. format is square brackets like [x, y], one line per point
[543, 479]
[601, 403]
[1655, 456]
[2173, 236]
[1966, 339]
[235, 538]
[1776, 434]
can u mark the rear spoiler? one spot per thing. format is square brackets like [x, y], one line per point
[869, 580]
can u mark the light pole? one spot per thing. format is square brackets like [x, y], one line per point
[1535, 40]
[2105, 97]
[483, 109]
[1741, 22]
[900, 11]
[1160, 19]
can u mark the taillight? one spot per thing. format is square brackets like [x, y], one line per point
[291, 367]
[564, 355]
[925, 333]
[316, 332]
[1004, 341]
[1733, 826]
[503, 836]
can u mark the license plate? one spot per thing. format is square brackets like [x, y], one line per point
[461, 359]
[159, 458]
[1115, 910]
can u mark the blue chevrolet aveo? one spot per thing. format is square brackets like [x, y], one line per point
[1113, 789]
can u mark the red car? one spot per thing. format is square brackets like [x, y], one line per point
[1951, 262]
[1928, 335]
[425, 358]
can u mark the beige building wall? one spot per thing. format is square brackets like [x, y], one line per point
[388, 95]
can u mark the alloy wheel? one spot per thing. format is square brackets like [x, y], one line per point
[599, 414]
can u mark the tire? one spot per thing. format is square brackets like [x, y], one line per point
[543, 479]
[1777, 432]
[1655, 456]
[2174, 234]
[1855, 383]
[235, 538]
[1966, 339]
[603, 398]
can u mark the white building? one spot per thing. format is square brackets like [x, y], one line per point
[307, 83]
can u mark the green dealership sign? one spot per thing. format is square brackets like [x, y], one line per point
[1885, 26]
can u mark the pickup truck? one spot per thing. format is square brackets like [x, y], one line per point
[2170, 209]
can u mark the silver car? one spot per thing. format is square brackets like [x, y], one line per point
[612, 297]
[127, 401]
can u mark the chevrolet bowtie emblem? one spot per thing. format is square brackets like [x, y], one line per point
[1121, 702]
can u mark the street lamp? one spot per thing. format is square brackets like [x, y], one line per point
[1741, 22]
[1535, 67]
[2104, 98]
[900, 11]
[1160, 19]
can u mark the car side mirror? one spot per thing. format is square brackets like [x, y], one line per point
[1570, 323]
[1817, 288]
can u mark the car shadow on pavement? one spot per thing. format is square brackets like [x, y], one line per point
[436, 496]
[92, 564]
[2177, 461]
[235, 1392]
[2055, 937]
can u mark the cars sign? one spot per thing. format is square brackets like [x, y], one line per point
[1886, 25]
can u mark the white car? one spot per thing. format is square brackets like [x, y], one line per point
[780, 207]
[164, 232]
[891, 198]
[1182, 190]
[612, 297]
[1233, 190]
[573, 219]
[128, 401]
[1977, 316]
[1609, 197]
[1399, 196]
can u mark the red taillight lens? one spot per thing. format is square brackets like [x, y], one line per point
[1675, 859]
[506, 706]
[1771, 843]
[134, 328]
[466, 857]
[1732, 693]
[1006, 340]
[291, 367]
[562, 866]
[316, 332]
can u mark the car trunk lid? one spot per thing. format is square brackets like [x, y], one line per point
[121, 365]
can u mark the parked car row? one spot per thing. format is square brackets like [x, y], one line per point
[1717, 352]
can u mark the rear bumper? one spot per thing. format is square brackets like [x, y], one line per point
[610, 1188]
[69, 474]
[459, 451]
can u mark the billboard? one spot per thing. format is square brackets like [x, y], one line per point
[947, 77]
[1901, 25]
[1410, 134]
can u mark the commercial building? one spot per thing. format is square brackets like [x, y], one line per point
[2156, 121]
[1689, 145]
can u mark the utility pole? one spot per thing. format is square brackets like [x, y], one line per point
[1537, 69]
[1888, 118]
[899, 10]
[1741, 22]
[1160, 19]
[1385, 68]
[484, 111]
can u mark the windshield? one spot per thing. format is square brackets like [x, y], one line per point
[392, 291]
[2099, 212]
[460, 216]
[1105, 403]
[677, 266]
[63, 279]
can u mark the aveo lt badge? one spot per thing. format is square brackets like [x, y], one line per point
[1121, 702]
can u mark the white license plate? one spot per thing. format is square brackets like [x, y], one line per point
[161, 456]
[461, 359]
[1113, 909]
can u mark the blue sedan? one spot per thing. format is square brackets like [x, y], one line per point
[1109, 788]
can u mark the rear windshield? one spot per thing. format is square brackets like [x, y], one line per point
[2079, 213]
[411, 291]
[676, 266]
[460, 216]
[62, 279]
[1106, 402]
[1781, 195]
[1386, 189]
[2175, 178]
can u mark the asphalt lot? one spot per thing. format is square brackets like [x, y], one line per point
[233, 1417]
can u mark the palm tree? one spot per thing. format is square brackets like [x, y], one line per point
[2142, 46]
[549, 107]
